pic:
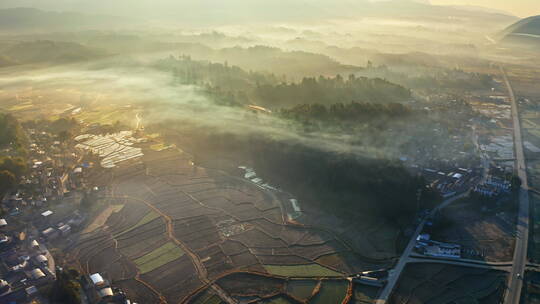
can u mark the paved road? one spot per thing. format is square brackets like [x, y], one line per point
[463, 261]
[515, 284]
[502, 267]
[405, 257]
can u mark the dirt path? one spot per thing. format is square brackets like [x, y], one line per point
[102, 218]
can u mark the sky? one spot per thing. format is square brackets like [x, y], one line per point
[521, 8]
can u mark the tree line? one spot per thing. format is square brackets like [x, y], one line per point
[12, 162]
[232, 85]
[353, 111]
[342, 183]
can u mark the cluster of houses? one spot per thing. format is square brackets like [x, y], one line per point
[293, 210]
[99, 290]
[428, 247]
[493, 186]
[25, 266]
[251, 175]
[53, 228]
[448, 183]
[25, 262]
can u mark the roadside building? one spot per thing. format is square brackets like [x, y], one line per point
[31, 291]
[486, 190]
[65, 229]
[36, 274]
[250, 175]
[499, 183]
[97, 279]
[423, 237]
[105, 293]
[50, 233]
[41, 259]
[47, 213]
[296, 210]
[5, 288]
[443, 250]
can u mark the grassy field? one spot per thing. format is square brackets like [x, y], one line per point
[107, 114]
[309, 270]
[146, 219]
[159, 257]
[421, 283]
[21, 106]
[301, 289]
[534, 247]
[160, 147]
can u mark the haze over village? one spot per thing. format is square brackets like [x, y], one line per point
[269, 152]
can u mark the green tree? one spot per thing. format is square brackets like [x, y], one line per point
[66, 288]
[64, 136]
[15, 165]
[7, 181]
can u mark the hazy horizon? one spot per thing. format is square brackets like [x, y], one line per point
[520, 8]
[170, 9]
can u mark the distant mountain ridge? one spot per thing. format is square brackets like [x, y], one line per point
[45, 51]
[31, 19]
[528, 26]
[525, 32]
[214, 12]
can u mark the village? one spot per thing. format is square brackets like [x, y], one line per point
[49, 210]
[46, 211]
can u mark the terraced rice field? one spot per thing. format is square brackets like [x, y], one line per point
[159, 257]
[331, 292]
[186, 229]
[301, 289]
[207, 298]
[302, 271]
[276, 300]
[146, 219]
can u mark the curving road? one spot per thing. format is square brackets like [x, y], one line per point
[515, 283]
[406, 256]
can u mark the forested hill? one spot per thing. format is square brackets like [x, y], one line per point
[527, 26]
[11, 132]
[233, 85]
[34, 20]
[344, 184]
[345, 112]
[46, 51]
[12, 147]
[325, 90]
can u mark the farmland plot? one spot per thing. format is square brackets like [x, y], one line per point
[184, 228]
[431, 283]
